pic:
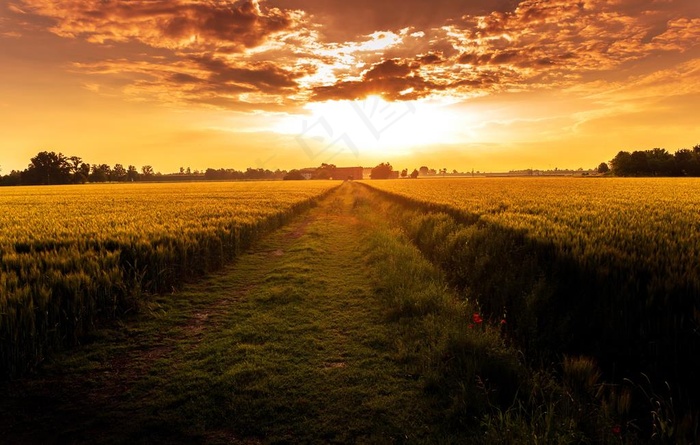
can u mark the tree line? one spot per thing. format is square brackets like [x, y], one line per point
[656, 162]
[50, 168]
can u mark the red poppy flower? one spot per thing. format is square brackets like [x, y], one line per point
[476, 318]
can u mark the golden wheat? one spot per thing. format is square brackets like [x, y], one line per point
[72, 255]
[650, 222]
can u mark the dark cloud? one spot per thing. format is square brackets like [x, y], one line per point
[264, 77]
[430, 59]
[388, 69]
[182, 78]
[347, 20]
[392, 79]
[167, 23]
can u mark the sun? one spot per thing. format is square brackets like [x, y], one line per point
[374, 127]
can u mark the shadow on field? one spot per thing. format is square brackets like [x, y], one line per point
[640, 325]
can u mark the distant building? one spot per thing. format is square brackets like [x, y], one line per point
[307, 173]
[345, 173]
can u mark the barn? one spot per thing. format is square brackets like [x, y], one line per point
[345, 173]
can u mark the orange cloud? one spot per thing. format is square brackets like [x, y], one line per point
[251, 54]
[175, 24]
[392, 79]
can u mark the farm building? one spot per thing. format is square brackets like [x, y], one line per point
[344, 173]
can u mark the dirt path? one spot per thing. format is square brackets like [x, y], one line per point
[287, 345]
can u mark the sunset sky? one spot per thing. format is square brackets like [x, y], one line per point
[473, 84]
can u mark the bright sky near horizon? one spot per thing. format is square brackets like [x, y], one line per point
[469, 84]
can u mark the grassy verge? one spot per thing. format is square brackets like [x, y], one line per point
[506, 276]
[483, 387]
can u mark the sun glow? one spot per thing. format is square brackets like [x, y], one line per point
[374, 127]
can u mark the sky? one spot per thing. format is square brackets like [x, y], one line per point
[485, 85]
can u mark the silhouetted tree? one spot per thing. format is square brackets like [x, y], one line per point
[13, 178]
[660, 162]
[325, 171]
[657, 162]
[77, 171]
[100, 173]
[639, 163]
[622, 164]
[84, 174]
[132, 174]
[603, 168]
[381, 171]
[118, 173]
[147, 171]
[687, 162]
[414, 174]
[294, 175]
[404, 172]
[48, 168]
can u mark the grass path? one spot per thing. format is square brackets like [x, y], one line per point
[287, 345]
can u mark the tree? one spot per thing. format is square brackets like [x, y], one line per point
[414, 174]
[660, 162]
[404, 172]
[118, 173]
[325, 171]
[687, 162]
[603, 168]
[13, 178]
[639, 163]
[100, 173]
[48, 168]
[147, 171]
[132, 174]
[381, 171]
[294, 175]
[84, 174]
[76, 170]
[622, 164]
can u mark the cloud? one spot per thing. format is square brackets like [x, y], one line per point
[344, 21]
[10, 34]
[559, 40]
[263, 77]
[392, 79]
[192, 24]
[271, 53]
[202, 80]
